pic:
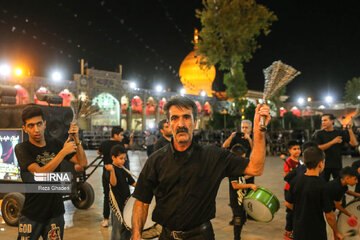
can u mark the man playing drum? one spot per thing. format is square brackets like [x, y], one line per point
[185, 176]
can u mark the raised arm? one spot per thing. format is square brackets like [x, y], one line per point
[257, 157]
[80, 156]
[227, 142]
[139, 216]
[69, 147]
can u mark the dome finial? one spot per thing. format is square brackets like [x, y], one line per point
[196, 38]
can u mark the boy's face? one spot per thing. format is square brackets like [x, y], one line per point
[351, 180]
[119, 160]
[35, 127]
[295, 151]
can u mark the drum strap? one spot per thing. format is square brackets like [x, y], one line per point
[114, 205]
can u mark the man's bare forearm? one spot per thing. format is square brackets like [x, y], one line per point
[257, 157]
[139, 216]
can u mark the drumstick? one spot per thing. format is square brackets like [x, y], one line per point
[350, 233]
[126, 170]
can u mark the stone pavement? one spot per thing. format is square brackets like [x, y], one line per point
[85, 224]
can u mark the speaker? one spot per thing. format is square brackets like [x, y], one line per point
[58, 119]
[49, 98]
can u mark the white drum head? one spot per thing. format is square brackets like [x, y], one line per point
[343, 226]
[257, 210]
[128, 209]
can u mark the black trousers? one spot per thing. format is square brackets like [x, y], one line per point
[335, 172]
[206, 234]
[289, 215]
[105, 183]
[239, 221]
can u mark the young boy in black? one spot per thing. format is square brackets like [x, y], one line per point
[339, 186]
[43, 213]
[309, 200]
[238, 191]
[119, 181]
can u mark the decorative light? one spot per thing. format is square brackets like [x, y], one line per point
[203, 93]
[18, 71]
[309, 99]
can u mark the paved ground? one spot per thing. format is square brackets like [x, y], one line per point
[85, 224]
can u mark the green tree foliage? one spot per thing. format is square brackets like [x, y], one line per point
[229, 29]
[352, 91]
[228, 38]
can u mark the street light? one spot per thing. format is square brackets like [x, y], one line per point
[56, 76]
[132, 85]
[300, 101]
[182, 91]
[159, 88]
[358, 97]
[5, 70]
[328, 99]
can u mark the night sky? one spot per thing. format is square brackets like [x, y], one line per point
[151, 38]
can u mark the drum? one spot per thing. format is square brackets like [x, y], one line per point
[151, 229]
[344, 227]
[261, 204]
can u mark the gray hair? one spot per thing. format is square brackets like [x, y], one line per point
[248, 122]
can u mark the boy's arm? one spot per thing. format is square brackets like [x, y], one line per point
[54, 163]
[110, 168]
[342, 209]
[352, 193]
[236, 185]
[331, 219]
[289, 205]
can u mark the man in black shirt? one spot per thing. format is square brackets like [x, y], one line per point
[117, 136]
[43, 213]
[166, 134]
[243, 137]
[185, 176]
[331, 141]
[308, 199]
[339, 186]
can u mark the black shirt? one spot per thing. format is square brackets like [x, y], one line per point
[237, 195]
[105, 149]
[121, 191]
[185, 184]
[161, 142]
[40, 206]
[238, 139]
[310, 199]
[333, 153]
[356, 165]
[336, 190]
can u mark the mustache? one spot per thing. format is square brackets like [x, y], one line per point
[182, 129]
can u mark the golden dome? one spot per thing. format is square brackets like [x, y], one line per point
[196, 78]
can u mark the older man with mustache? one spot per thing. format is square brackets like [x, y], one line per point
[185, 176]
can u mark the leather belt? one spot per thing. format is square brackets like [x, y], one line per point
[179, 235]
